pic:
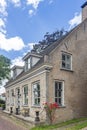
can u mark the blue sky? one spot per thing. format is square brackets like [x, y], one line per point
[24, 23]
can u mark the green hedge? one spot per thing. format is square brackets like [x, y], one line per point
[3, 106]
[2, 101]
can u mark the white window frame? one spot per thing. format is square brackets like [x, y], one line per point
[17, 96]
[12, 97]
[62, 92]
[35, 98]
[66, 61]
[25, 96]
[7, 98]
[28, 64]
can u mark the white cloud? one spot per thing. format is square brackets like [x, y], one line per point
[31, 12]
[14, 43]
[2, 26]
[30, 45]
[75, 21]
[2, 89]
[34, 3]
[17, 61]
[2, 23]
[3, 6]
[16, 3]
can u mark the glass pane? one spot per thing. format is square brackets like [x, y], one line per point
[38, 87]
[63, 64]
[56, 100]
[35, 93]
[38, 100]
[39, 94]
[35, 101]
[63, 57]
[59, 101]
[56, 84]
[68, 66]
[68, 57]
[26, 89]
[35, 87]
[60, 85]
[59, 93]
[55, 93]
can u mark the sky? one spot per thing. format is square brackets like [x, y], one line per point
[24, 23]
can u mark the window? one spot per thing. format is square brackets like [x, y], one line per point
[59, 93]
[36, 94]
[14, 73]
[25, 89]
[66, 61]
[12, 97]
[28, 64]
[7, 98]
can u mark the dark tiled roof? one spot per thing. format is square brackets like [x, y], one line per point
[84, 4]
[52, 46]
[37, 65]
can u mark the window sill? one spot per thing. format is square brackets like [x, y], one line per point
[62, 106]
[66, 69]
[34, 106]
[25, 105]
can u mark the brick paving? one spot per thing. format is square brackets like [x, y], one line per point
[8, 124]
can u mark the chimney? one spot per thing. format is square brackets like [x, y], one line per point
[84, 11]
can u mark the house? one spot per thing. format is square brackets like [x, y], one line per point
[58, 74]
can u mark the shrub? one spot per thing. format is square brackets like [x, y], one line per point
[2, 101]
[50, 109]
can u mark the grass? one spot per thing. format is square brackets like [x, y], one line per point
[78, 124]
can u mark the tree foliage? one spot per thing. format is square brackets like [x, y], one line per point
[4, 68]
[48, 39]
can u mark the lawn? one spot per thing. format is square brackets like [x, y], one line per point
[77, 125]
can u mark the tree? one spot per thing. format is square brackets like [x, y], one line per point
[48, 39]
[4, 68]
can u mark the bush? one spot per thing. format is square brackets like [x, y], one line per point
[2, 101]
[50, 109]
[3, 106]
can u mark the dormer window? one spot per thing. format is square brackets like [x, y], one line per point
[14, 73]
[30, 60]
[28, 64]
[16, 70]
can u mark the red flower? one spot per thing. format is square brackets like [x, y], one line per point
[50, 110]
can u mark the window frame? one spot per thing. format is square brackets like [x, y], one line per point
[28, 63]
[38, 98]
[62, 95]
[12, 97]
[66, 61]
[25, 96]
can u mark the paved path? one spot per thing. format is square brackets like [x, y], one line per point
[8, 124]
[84, 128]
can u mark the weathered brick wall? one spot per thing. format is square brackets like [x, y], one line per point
[75, 82]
